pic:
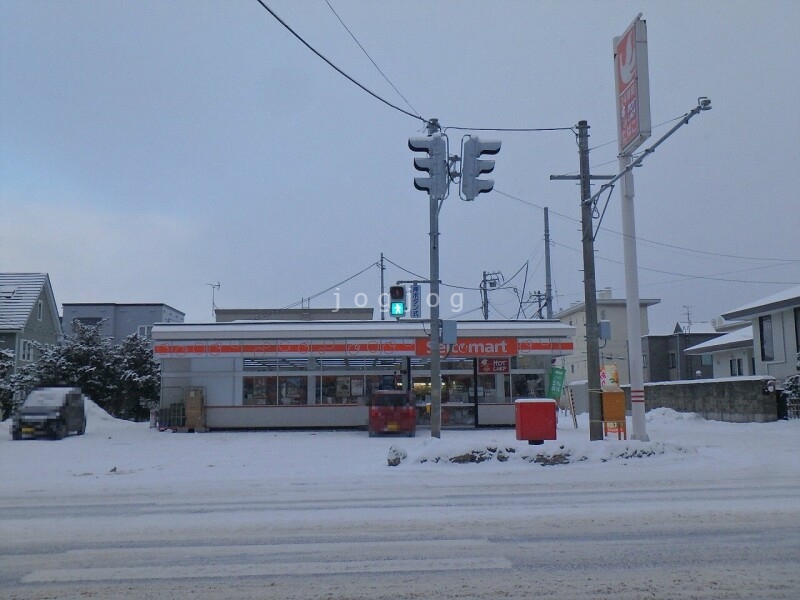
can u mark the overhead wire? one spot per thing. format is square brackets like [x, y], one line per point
[688, 276]
[380, 98]
[374, 64]
[333, 287]
[649, 241]
[333, 66]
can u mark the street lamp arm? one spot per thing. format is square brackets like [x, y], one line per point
[703, 104]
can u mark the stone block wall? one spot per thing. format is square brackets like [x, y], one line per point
[736, 399]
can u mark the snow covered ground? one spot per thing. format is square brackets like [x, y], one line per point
[117, 455]
[704, 510]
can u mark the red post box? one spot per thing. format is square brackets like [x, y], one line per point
[536, 419]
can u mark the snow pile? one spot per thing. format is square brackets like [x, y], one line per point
[668, 415]
[443, 452]
[100, 419]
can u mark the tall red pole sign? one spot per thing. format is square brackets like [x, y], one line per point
[632, 86]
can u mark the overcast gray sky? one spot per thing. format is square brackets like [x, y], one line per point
[150, 148]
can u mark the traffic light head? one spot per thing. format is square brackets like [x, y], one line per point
[472, 166]
[435, 164]
[397, 300]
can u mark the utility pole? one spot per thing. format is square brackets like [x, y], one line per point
[590, 289]
[548, 290]
[214, 287]
[380, 306]
[489, 280]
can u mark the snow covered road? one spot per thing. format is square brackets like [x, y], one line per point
[704, 510]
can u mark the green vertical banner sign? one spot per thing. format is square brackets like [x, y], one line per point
[557, 375]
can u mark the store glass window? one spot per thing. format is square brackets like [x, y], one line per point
[292, 390]
[528, 386]
[455, 388]
[345, 389]
[259, 391]
[486, 391]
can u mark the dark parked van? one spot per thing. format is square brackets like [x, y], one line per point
[51, 411]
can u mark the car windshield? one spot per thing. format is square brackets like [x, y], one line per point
[44, 398]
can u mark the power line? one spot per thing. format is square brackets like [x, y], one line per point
[616, 141]
[370, 59]
[333, 66]
[333, 287]
[510, 129]
[381, 99]
[649, 241]
[687, 276]
[504, 286]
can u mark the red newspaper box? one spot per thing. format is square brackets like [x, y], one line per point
[536, 419]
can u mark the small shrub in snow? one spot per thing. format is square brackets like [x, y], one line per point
[396, 456]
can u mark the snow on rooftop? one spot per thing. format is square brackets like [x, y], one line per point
[788, 295]
[734, 337]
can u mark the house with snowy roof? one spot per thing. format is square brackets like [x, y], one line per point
[28, 314]
[730, 355]
[776, 332]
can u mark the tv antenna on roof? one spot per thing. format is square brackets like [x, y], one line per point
[214, 287]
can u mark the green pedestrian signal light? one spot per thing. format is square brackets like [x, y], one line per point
[397, 301]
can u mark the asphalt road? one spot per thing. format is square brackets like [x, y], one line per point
[508, 540]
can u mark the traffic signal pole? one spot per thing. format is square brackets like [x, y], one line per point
[433, 301]
[437, 165]
[436, 359]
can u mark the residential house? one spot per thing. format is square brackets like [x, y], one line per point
[28, 314]
[120, 320]
[731, 354]
[776, 332]
[665, 357]
[613, 350]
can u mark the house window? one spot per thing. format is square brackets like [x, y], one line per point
[765, 331]
[671, 359]
[736, 367]
[706, 360]
[27, 350]
[39, 310]
[145, 331]
[797, 329]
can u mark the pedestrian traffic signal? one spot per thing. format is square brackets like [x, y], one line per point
[435, 164]
[397, 301]
[472, 166]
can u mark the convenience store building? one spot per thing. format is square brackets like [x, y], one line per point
[285, 374]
